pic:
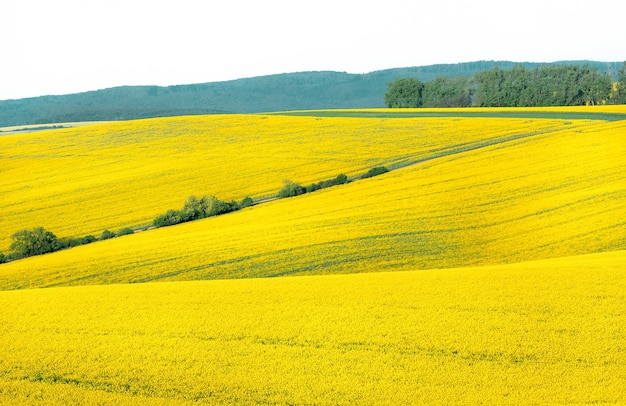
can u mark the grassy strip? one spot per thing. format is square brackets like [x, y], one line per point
[464, 114]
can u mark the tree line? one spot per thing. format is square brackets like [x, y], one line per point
[38, 241]
[546, 85]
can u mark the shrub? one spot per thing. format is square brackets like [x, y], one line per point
[246, 202]
[66, 242]
[230, 206]
[106, 234]
[125, 231]
[170, 218]
[195, 209]
[291, 189]
[379, 170]
[313, 187]
[217, 207]
[3, 258]
[88, 239]
[341, 179]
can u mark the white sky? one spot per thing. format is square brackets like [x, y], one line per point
[68, 46]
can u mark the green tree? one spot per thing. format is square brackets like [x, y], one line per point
[447, 92]
[515, 82]
[37, 241]
[404, 92]
[215, 206]
[621, 85]
[3, 258]
[195, 208]
[170, 218]
[547, 85]
[596, 87]
[489, 88]
[291, 189]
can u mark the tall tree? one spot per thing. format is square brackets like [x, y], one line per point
[447, 92]
[548, 85]
[621, 84]
[489, 88]
[595, 86]
[404, 92]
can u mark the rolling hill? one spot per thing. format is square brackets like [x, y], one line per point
[468, 191]
[289, 91]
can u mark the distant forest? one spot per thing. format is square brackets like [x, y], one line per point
[289, 91]
[546, 85]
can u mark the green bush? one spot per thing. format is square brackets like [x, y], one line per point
[291, 189]
[195, 209]
[246, 202]
[106, 234]
[3, 258]
[339, 180]
[228, 207]
[217, 207]
[313, 187]
[379, 170]
[87, 239]
[170, 218]
[64, 243]
[125, 231]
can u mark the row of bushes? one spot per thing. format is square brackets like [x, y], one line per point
[294, 189]
[199, 208]
[379, 170]
[27, 243]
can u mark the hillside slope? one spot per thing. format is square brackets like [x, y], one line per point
[541, 194]
[289, 91]
[80, 181]
[546, 332]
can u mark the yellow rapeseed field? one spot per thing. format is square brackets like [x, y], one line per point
[554, 194]
[506, 235]
[546, 332]
[80, 181]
